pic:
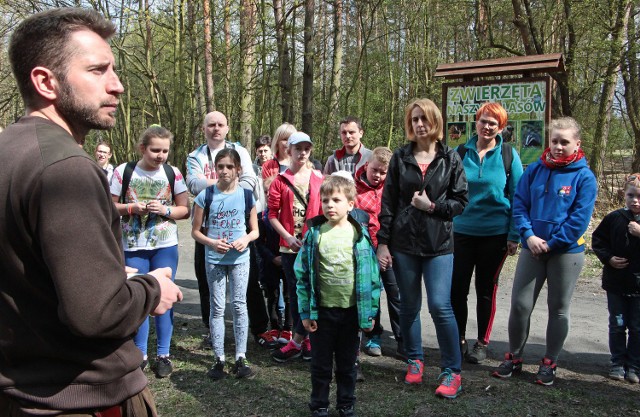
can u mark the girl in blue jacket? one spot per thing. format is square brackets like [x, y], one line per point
[552, 208]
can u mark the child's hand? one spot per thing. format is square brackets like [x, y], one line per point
[277, 260]
[512, 247]
[310, 325]
[618, 262]
[634, 229]
[221, 245]
[537, 246]
[241, 244]
[293, 243]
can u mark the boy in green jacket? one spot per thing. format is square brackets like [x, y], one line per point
[338, 293]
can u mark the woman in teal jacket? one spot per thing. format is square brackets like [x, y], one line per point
[552, 208]
[484, 233]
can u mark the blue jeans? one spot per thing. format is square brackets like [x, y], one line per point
[288, 259]
[145, 261]
[624, 316]
[436, 271]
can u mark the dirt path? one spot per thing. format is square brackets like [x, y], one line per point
[586, 345]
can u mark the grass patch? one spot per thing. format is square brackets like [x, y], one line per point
[282, 390]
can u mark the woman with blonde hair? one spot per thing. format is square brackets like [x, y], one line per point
[280, 161]
[425, 188]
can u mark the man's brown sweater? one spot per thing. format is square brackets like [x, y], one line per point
[67, 311]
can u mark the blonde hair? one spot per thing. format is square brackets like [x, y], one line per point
[565, 123]
[433, 115]
[154, 131]
[632, 180]
[282, 132]
[336, 183]
[381, 154]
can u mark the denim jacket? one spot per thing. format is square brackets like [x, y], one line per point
[367, 274]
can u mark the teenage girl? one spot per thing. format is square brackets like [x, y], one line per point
[294, 196]
[149, 231]
[552, 209]
[226, 244]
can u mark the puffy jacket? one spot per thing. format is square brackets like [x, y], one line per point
[555, 205]
[409, 230]
[367, 273]
[612, 238]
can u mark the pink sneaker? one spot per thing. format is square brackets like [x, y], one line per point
[289, 351]
[450, 384]
[306, 349]
[415, 369]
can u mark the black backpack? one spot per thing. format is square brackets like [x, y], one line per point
[128, 172]
[507, 160]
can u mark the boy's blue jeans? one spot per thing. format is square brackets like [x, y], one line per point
[435, 271]
[337, 334]
[624, 317]
[145, 261]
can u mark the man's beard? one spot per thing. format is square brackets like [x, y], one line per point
[79, 114]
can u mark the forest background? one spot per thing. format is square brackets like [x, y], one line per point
[313, 62]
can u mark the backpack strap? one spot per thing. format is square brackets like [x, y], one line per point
[126, 179]
[171, 176]
[507, 160]
[208, 198]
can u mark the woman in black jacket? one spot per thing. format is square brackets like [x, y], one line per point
[425, 188]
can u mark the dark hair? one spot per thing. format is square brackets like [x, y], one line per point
[262, 141]
[228, 152]
[41, 40]
[351, 119]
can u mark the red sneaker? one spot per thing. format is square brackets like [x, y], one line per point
[290, 351]
[266, 340]
[450, 384]
[306, 349]
[285, 337]
[415, 369]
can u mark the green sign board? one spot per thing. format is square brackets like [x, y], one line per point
[528, 104]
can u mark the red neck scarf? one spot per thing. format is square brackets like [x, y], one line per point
[561, 162]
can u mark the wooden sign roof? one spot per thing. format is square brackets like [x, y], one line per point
[517, 65]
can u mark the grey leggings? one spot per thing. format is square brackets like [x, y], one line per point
[561, 271]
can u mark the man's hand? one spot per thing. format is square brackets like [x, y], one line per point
[169, 292]
[618, 262]
[310, 325]
[512, 247]
[384, 257]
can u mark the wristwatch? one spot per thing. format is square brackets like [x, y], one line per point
[168, 213]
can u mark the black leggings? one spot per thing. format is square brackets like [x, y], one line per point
[486, 254]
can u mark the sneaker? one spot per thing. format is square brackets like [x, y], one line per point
[508, 367]
[632, 376]
[266, 340]
[450, 384]
[616, 372]
[306, 349]
[372, 348]
[477, 354]
[546, 372]
[289, 351]
[359, 374]
[144, 364]
[415, 369]
[284, 337]
[242, 370]
[217, 372]
[320, 412]
[347, 411]
[164, 367]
